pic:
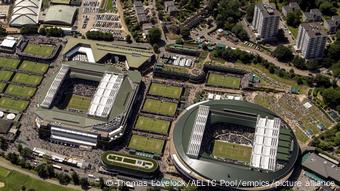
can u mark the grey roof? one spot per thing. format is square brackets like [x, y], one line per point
[60, 14]
[25, 12]
[336, 19]
[169, 3]
[314, 29]
[291, 7]
[267, 9]
[138, 4]
[321, 166]
[315, 12]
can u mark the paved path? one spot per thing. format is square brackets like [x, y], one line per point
[6, 164]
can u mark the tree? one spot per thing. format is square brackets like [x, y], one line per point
[154, 35]
[312, 64]
[97, 35]
[101, 183]
[84, 183]
[128, 38]
[13, 158]
[321, 81]
[29, 29]
[331, 97]
[336, 69]
[294, 19]
[327, 8]
[26, 152]
[3, 143]
[75, 178]
[3, 31]
[64, 179]
[240, 32]
[155, 48]
[45, 170]
[250, 12]
[185, 32]
[283, 54]
[299, 62]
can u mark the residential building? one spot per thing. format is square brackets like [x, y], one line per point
[140, 12]
[266, 21]
[311, 40]
[332, 24]
[170, 8]
[313, 15]
[291, 7]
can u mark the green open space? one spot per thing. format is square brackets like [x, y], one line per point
[2, 87]
[146, 144]
[27, 79]
[13, 104]
[78, 102]
[152, 125]
[35, 67]
[160, 107]
[11, 63]
[165, 90]
[5, 75]
[121, 160]
[224, 81]
[39, 49]
[14, 181]
[232, 151]
[21, 91]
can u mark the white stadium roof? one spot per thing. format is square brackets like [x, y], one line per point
[8, 42]
[25, 12]
[265, 143]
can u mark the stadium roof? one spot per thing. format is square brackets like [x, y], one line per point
[206, 168]
[94, 72]
[25, 12]
[60, 14]
[135, 56]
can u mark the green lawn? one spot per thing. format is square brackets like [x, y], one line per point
[14, 180]
[160, 107]
[5, 75]
[232, 151]
[81, 103]
[300, 136]
[27, 79]
[39, 49]
[146, 144]
[152, 125]
[21, 91]
[9, 62]
[12, 104]
[33, 67]
[294, 31]
[2, 87]
[223, 81]
[165, 90]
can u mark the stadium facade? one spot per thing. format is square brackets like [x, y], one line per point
[272, 147]
[101, 117]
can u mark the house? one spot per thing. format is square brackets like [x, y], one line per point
[290, 8]
[170, 8]
[314, 15]
[332, 24]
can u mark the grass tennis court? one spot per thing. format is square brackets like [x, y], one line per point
[224, 81]
[232, 151]
[39, 49]
[2, 87]
[17, 105]
[33, 67]
[21, 91]
[81, 103]
[14, 181]
[146, 144]
[27, 79]
[5, 75]
[9, 62]
[160, 107]
[165, 91]
[152, 125]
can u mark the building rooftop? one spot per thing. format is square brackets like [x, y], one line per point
[314, 29]
[321, 166]
[25, 12]
[135, 56]
[60, 14]
[291, 7]
[267, 9]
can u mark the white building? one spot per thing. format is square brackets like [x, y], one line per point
[266, 21]
[311, 40]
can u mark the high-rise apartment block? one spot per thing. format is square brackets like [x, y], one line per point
[266, 21]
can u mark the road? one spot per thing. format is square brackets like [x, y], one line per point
[6, 164]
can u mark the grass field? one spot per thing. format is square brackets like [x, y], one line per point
[38, 49]
[146, 144]
[81, 103]
[17, 105]
[300, 135]
[5, 75]
[9, 62]
[232, 151]
[224, 81]
[27, 79]
[33, 67]
[14, 181]
[21, 91]
[2, 87]
[160, 107]
[152, 125]
[165, 91]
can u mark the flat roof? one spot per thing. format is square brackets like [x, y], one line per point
[314, 29]
[136, 56]
[267, 9]
[60, 14]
